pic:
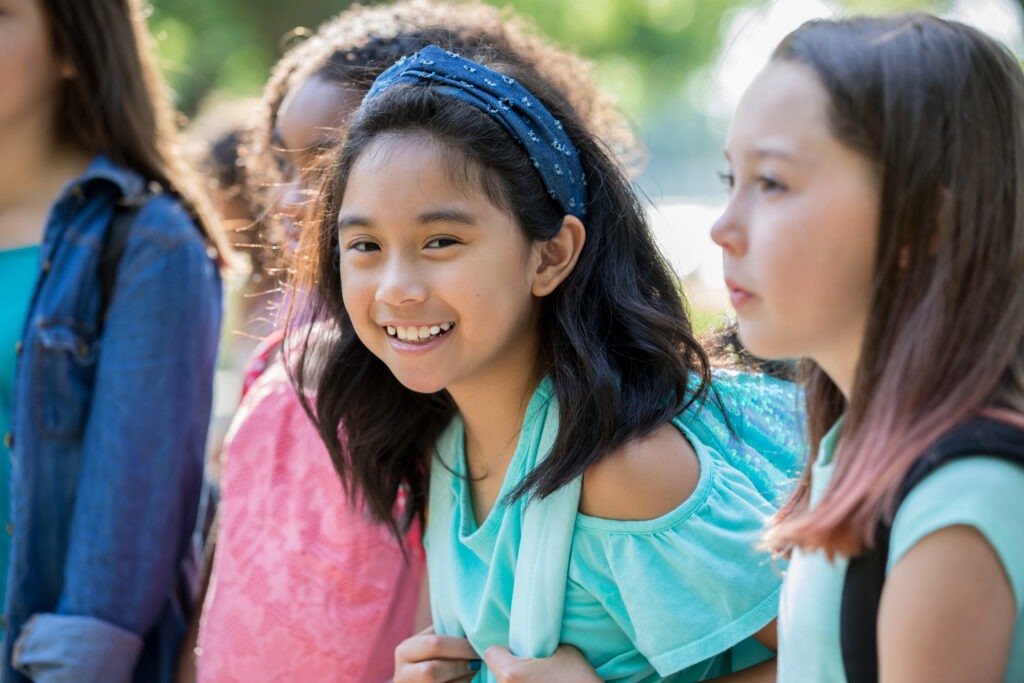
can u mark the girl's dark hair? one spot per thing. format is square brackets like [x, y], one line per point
[615, 336]
[117, 103]
[938, 108]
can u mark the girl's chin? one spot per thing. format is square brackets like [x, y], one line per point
[759, 344]
[420, 385]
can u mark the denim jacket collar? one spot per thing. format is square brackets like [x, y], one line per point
[130, 185]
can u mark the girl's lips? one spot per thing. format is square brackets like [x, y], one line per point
[737, 295]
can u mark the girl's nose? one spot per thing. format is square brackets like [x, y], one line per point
[401, 283]
[727, 231]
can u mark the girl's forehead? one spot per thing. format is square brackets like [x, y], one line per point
[421, 150]
[785, 103]
[312, 112]
[401, 147]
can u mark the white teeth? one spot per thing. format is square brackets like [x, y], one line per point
[413, 333]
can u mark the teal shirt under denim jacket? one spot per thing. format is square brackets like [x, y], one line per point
[108, 437]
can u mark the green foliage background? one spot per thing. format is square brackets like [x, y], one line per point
[645, 52]
[640, 45]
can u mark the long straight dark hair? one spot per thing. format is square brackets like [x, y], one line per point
[117, 103]
[938, 107]
[615, 335]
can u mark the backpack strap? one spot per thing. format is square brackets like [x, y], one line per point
[542, 567]
[865, 575]
[114, 241]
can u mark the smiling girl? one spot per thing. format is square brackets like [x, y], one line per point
[875, 227]
[508, 331]
[333, 607]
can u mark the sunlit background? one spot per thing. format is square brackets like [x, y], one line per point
[677, 67]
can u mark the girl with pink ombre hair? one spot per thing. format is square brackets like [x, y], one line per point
[875, 228]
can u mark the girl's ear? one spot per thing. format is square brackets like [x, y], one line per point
[68, 70]
[943, 211]
[557, 256]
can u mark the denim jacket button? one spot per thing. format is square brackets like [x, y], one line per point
[47, 265]
[17, 347]
[9, 440]
[10, 528]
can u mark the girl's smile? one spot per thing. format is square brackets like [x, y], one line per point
[418, 334]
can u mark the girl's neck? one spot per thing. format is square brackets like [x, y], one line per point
[493, 418]
[29, 184]
[36, 167]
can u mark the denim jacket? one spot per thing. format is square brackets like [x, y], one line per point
[108, 436]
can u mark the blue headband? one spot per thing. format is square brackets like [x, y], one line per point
[509, 103]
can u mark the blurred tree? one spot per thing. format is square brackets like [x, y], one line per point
[227, 45]
[644, 49]
[640, 46]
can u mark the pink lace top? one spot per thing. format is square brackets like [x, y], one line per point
[305, 587]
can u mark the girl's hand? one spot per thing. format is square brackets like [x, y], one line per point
[567, 664]
[430, 658]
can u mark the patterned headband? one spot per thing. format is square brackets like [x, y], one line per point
[509, 103]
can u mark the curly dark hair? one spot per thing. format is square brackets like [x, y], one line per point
[354, 47]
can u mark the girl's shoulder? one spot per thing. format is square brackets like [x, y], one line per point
[163, 216]
[750, 428]
[643, 479]
[157, 216]
[986, 494]
[687, 520]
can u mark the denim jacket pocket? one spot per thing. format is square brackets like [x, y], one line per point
[62, 379]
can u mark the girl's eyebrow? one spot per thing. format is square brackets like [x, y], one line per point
[445, 215]
[763, 151]
[774, 151]
[353, 221]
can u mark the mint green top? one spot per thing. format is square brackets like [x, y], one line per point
[18, 271]
[673, 598]
[984, 493]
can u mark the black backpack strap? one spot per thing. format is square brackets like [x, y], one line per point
[113, 249]
[865, 575]
[114, 242]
